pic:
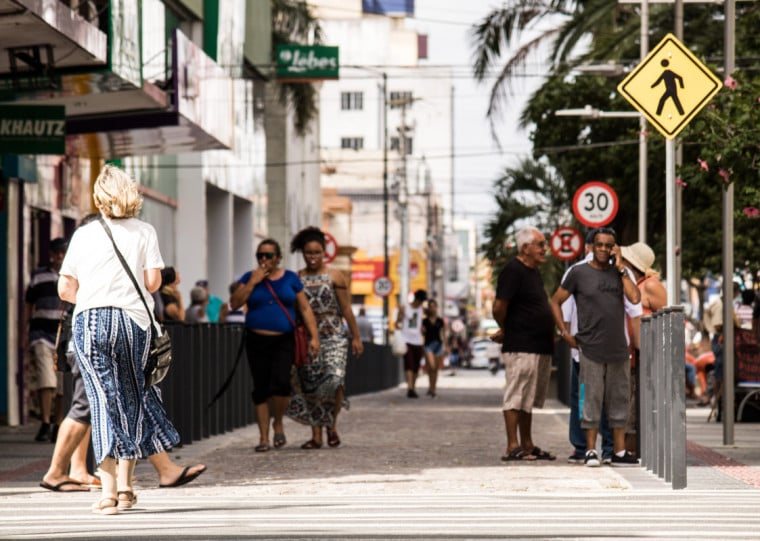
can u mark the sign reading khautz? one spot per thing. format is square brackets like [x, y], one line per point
[38, 129]
[306, 62]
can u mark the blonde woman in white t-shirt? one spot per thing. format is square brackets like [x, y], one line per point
[112, 334]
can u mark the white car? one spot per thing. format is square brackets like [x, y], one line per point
[484, 353]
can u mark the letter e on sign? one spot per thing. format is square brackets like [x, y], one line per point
[595, 204]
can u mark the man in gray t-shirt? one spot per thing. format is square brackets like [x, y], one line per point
[598, 288]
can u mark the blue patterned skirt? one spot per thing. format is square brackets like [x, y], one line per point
[315, 384]
[128, 420]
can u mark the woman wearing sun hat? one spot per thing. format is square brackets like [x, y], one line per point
[639, 258]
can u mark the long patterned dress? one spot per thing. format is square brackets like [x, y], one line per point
[313, 401]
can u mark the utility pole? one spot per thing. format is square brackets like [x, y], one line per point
[644, 38]
[403, 204]
[386, 270]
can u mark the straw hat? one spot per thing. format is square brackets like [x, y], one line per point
[640, 255]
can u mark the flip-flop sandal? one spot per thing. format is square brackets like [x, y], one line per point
[332, 438]
[261, 448]
[518, 454]
[312, 444]
[59, 486]
[279, 440]
[184, 478]
[540, 454]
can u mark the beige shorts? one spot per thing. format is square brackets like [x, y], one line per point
[527, 377]
[42, 358]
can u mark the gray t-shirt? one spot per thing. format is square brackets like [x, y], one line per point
[601, 315]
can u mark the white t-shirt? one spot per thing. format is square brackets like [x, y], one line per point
[411, 325]
[102, 279]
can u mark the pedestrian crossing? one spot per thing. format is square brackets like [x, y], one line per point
[208, 512]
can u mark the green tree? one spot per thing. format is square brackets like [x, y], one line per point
[529, 194]
[293, 23]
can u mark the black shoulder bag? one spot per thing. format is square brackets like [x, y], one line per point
[160, 356]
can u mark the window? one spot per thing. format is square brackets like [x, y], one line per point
[357, 143]
[351, 101]
[408, 142]
[397, 98]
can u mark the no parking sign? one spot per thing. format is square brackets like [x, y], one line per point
[566, 243]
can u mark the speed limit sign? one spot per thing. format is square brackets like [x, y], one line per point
[595, 204]
[382, 286]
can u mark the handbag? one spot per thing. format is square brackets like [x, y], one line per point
[398, 344]
[300, 335]
[160, 355]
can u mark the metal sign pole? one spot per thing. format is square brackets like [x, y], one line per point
[670, 225]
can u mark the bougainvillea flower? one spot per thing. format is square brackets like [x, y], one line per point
[751, 212]
[681, 183]
[703, 165]
[724, 175]
[731, 83]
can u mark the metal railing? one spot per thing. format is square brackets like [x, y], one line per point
[203, 356]
[662, 396]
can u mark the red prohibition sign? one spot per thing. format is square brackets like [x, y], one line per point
[331, 248]
[566, 243]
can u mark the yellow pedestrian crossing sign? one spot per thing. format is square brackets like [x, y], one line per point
[670, 86]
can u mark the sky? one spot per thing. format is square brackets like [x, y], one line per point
[478, 160]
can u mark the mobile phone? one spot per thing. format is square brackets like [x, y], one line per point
[613, 260]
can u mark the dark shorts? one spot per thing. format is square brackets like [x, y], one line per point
[80, 406]
[413, 357]
[270, 358]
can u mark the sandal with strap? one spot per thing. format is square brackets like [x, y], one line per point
[312, 444]
[127, 499]
[332, 438]
[106, 506]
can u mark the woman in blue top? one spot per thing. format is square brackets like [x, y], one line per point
[269, 339]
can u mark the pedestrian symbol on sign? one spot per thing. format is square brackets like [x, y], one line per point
[671, 90]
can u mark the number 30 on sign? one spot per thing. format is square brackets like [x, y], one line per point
[595, 204]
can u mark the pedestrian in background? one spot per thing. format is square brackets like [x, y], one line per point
[171, 297]
[409, 322]
[112, 334]
[196, 312]
[366, 332]
[227, 314]
[269, 292]
[598, 287]
[321, 383]
[434, 331]
[213, 304]
[526, 333]
[42, 312]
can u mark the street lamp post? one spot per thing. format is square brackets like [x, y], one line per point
[591, 112]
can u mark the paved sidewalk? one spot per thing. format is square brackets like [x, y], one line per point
[404, 465]
[432, 444]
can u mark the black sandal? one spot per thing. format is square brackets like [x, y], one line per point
[332, 438]
[312, 444]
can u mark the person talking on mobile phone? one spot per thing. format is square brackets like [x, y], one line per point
[599, 288]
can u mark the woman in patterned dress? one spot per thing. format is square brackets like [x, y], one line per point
[112, 333]
[319, 393]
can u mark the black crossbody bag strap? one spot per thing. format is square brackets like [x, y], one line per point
[129, 272]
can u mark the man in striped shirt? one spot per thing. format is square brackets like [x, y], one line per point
[43, 309]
